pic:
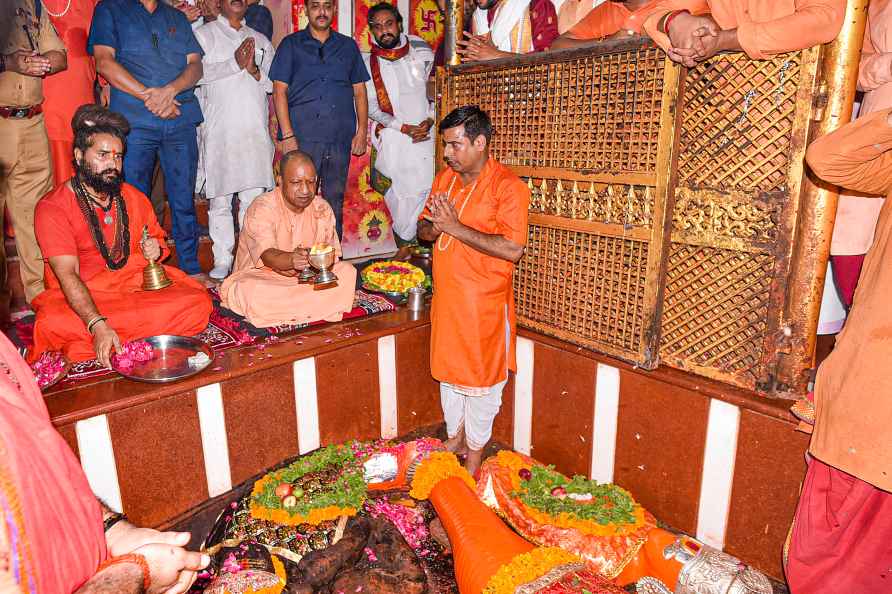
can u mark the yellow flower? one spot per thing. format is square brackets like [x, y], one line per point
[436, 467]
[526, 568]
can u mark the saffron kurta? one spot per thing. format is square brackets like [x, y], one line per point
[65, 91]
[571, 12]
[267, 298]
[764, 27]
[856, 217]
[473, 295]
[853, 387]
[51, 518]
[62, 230]
[843, 522]
[609, 18]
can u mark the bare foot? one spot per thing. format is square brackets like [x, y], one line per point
[457, 444]
[205, 280]
[404, 253]
[472, 464]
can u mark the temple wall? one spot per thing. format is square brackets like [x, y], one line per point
[705, 458]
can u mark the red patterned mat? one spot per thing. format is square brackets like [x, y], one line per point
[225, 330]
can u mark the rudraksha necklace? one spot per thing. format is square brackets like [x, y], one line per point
[120, 251]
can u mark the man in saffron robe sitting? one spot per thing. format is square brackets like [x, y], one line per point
[273, 248]
[91, 230]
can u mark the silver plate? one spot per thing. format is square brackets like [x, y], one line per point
[170, 361]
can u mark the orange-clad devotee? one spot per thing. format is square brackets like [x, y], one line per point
[477, 218]
[843, 524]
[55, 535]
[65, 91]
[606, 19]
[693, 30]
[91, 232]
[280, 229]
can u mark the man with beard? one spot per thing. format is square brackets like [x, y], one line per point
[97, 235]
[501, 28]
[320, 98]
[477, 217]
[398, 102]
[236, 149]
[273, 248]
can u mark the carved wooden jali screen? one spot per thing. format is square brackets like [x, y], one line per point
[663, 208]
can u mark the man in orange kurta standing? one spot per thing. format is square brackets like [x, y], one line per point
[91, 230]
[477, 218]
[693, 30]
[65, 91]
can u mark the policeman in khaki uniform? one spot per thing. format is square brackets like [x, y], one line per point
[31, 50]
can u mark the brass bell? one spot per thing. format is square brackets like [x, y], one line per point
[153, 275]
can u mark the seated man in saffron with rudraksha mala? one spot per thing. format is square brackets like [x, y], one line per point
[89, 230]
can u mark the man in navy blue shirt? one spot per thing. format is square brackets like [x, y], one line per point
[259, 18]
[319, 92]
[146, 50]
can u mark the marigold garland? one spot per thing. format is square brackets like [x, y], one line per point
[393, 276]
[435, 468]
[527, 567]
[515, 463]
[344, 497]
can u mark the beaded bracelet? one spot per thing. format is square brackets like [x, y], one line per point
[136, 560]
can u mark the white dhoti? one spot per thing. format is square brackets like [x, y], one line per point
[475, 409]
[410, 168]
[475, 413]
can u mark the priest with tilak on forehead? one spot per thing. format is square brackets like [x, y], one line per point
[97, 235]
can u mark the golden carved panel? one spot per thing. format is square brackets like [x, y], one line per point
[613, 204]
[744, 221]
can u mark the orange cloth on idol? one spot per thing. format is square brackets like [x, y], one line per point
[267, 298]
[609, 18]
[182, 308]
[65, 91]
[51, 518]
[473, 294]
[764, 27]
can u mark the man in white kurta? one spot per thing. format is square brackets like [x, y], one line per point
[236, 150]
[400, 66]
